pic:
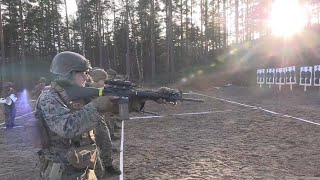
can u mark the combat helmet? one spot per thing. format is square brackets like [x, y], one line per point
[42, 80]
[111, 73]
[98, 74]
[66, 62]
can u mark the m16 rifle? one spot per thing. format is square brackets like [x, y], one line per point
[125, 89]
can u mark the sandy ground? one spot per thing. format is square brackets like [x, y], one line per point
[228, 141]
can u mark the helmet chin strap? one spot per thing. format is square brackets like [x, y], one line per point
[69, 77]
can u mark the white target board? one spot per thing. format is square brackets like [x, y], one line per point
[291, 75]
[316, 79]
[270, 76]
[260, 76]
[280, 76]
[306, 75]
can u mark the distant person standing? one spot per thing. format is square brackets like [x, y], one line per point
[111, 74]
[39, 87]
[9, 109]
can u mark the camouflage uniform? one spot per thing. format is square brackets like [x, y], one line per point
[65, 129]
[68, 143]
[103, 136]
[9, 110]
[103, 140]
[112, 123]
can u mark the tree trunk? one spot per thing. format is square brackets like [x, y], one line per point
[99, 19]
[106, 41]
[3, 57]
[219, 26]
[201, 30]
[23, 57]
[152, 39]
[82, 30]
[187, 24]
[128, 73]
[58, 28]
[172, 67]
[224, 24]
[67, 24]
[135, 39]
[206, 31]
[181, 30]
[114, 34]
[237, 20]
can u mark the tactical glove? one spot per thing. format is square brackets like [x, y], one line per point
[167, 90]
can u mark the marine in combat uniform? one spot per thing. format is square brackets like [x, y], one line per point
[99, 76]
[68, 148]
[103, 135]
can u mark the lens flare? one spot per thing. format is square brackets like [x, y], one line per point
[199, 72]
[183, 80]
[23, 102]
[287, 17]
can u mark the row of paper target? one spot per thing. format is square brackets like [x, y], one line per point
[308, 75]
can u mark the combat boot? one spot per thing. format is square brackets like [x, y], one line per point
[116, 126]
[114, 137]
[113, 170]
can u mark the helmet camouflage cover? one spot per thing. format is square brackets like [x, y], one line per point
[98, 74]
[66, 62]
[42, 80]
[111, 73]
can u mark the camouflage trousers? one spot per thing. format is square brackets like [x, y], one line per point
[103, 141]
[59, 171]
[10, 114]
[111, 121]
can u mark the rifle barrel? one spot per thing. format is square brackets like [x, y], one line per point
[191, 99]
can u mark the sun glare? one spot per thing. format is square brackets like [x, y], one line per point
[287, 17]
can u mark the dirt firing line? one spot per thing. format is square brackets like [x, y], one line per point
[259, 108]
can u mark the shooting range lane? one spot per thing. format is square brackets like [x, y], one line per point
[256, 142]
[182, 114]
[19, 117]
[18, 155]
[260, 108]
[237, 141]
[121, 151]
[121, 177]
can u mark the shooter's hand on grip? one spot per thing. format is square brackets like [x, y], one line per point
[166, 90]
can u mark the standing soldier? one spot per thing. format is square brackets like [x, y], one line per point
[68, 147]
[39, 87]
[9, 109]
[112, 75]
[68, 142]
[98, 77]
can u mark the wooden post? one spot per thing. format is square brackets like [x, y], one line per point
[291, 87]
[305, 87]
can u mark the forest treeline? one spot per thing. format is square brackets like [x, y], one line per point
[150, 40]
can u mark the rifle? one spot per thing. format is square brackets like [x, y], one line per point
[124, 89]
